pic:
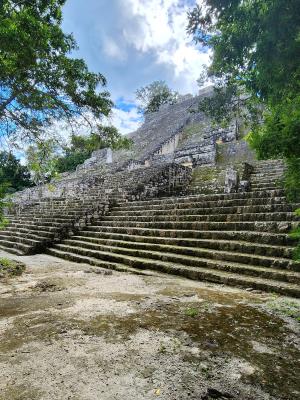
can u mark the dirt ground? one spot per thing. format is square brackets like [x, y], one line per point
[72, 331]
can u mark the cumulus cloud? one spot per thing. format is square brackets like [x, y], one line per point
[162, 30]
[135, 42]
[126, 121]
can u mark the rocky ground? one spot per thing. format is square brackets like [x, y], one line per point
[72, 331]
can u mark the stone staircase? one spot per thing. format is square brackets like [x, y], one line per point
[38, 225]
[239, 239]
[45, 222]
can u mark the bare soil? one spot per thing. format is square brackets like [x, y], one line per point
[72, 331]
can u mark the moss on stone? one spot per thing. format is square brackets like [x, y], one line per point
[10, 267]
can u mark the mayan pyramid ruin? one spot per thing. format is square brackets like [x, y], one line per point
[187, 198]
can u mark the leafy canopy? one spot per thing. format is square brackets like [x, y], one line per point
[256, 50]
[152, 96]
[39, 81]
[255, 43]
[12, 173]
[81, 148]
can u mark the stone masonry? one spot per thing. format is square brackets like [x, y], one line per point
[186, 199]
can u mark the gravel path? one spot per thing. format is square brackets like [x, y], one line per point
[72, 331]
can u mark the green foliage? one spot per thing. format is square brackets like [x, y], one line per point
[191, 312]
[41, 160]
[255, 42]
[256, 47]
[10, 267]
[287, 308]
[12, 173]
[4, 202]
[81, 148]
[154, 95]
[279, 137]
[39, 81]
[295, 234]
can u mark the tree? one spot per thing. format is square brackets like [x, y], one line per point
[81, 147]
[3, 204]
[256, 49]
[154, 95]
[12, 173]
[41, 160]
[39, 82]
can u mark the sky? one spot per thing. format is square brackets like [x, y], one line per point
[132, 43]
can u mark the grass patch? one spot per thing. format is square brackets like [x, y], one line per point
[287, 308]
[10, 267]
[191, 312]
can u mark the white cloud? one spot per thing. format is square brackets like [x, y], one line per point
[134, 42]
[126, 121]
[160, 28]
[112, 50]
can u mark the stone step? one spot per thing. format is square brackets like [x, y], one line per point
[31, 239]
[225, 245]
[288, 208]
[42, 220]
[20, 248]
[11, 249]
[276, 193]
[264, 185]
[190, 252]
[44, 225]
[25, 231]
[209, 204]
[257, 226]
[260, 237]
[41, 216]
[195, 273]
[31, 227]
[256, 178]
[100, 263]
[218, 264]
[271, 216]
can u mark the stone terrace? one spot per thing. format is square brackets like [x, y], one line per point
[164, 206]
[237, 239]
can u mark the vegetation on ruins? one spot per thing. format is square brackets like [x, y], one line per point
[152, 96]
[12, 173]
[41, 160]
[256, 52]
[48, 159]
[39, 81]
[3, 203]
[81, 147]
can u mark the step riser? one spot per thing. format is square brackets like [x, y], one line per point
[211, 218]
[221, 203]
[210, 211]
[210, 198]
[271, 226]
[11, 250]
[25, 233]
[31, 240]
[183, 251]
[197, 275]
[257, 237]
[138, 241]
[116, 256]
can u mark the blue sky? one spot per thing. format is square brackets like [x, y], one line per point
[133, 43]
